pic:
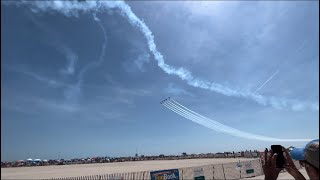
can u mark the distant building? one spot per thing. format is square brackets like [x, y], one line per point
[219, 155]
[247, 154]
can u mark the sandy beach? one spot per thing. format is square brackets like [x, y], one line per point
[44, 172]
[285, 175]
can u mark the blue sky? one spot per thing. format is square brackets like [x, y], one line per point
[78, 83]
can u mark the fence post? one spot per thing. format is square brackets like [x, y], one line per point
[182, 174]
[212, 171]
[261, 166]
[143, 175]
[223, 172]
[240, 168]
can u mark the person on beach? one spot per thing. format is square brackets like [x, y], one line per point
[308, 158]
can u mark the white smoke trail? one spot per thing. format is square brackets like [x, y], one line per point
[190, 116]
[214, 125]
[102, 55]
[266, 81]
[48, 81]
[271, 77]
[205, 121]
[72, 8]
[74, 91]
[72, 58]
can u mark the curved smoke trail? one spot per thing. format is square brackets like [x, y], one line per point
[103, 51]
[214, 125]
[74, 91]
[72, 8]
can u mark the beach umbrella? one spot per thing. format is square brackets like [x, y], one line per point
[29, 159]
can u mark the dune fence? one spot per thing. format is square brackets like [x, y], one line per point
[234, 170]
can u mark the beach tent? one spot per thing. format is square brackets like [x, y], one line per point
[29, 159]
[37, 160]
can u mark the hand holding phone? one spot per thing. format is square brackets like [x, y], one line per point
[280, 158]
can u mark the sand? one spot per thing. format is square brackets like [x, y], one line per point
[46, 172]
[285, 175]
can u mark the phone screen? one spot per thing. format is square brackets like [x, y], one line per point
[280, 159]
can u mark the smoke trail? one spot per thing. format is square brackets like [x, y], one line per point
[262, 85]
[214, 125]
[187, 76]
[102, 55]
[50, 82]
[74, 91]
[72, 58]
[224, 129]
[72, 8]
[266, 81]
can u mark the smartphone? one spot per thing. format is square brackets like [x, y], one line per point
[280, 158]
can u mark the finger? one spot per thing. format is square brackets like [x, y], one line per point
[285, 157]
[286, 164]
[265, 155]
[270, 157]
[262, 160]
[288, 159]
[273, 160]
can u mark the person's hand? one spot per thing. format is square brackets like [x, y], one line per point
[290, 167]
[269, 165]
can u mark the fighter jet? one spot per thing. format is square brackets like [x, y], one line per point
[165, 100]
